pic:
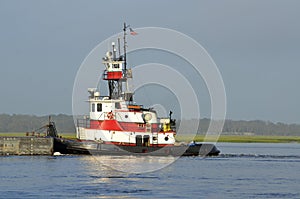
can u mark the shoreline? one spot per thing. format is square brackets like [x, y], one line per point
[200, 138]
[243, 138]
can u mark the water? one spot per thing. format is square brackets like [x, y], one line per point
[241, 171]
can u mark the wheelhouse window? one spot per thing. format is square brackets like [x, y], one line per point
[118, 105]
[99, 107]
[93, 107]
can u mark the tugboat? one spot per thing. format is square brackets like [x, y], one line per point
[118, 126]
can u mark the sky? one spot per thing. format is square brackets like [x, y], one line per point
[255, 44]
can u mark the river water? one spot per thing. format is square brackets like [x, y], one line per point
[241, 171]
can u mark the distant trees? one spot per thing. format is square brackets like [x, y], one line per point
[259, 127]
[242, 127]
[28, 123]
[65, 124]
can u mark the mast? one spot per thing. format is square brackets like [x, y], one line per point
[116, 72]
[124, 38]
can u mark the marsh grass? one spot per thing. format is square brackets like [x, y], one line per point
[241, 139]
[22, 134]
[200, 138]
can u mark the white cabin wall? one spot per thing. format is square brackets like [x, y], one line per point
[122, 114]
[106, 108]
[129, 117]
[121, 136]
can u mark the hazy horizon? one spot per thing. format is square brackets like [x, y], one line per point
[202, 118]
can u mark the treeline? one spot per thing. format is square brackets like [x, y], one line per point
[65, 124]
[242, 127]
[29, 123]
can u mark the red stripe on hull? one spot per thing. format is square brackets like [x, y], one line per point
[111, 125]
[125, 126]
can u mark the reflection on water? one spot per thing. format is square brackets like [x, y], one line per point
[130, 164]
[242, 171]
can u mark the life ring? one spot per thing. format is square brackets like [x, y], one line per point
[110, 115]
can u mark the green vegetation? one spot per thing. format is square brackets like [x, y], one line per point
[68, 135]
[233, 131]
[21, 134]
[13, 134]
[241, 139]
[200, 138]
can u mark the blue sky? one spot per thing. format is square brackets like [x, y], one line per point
[255, 44]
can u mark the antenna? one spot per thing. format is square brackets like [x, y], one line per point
[124, 38]
[119, 47]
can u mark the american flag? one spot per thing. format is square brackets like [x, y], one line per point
[132, 32]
